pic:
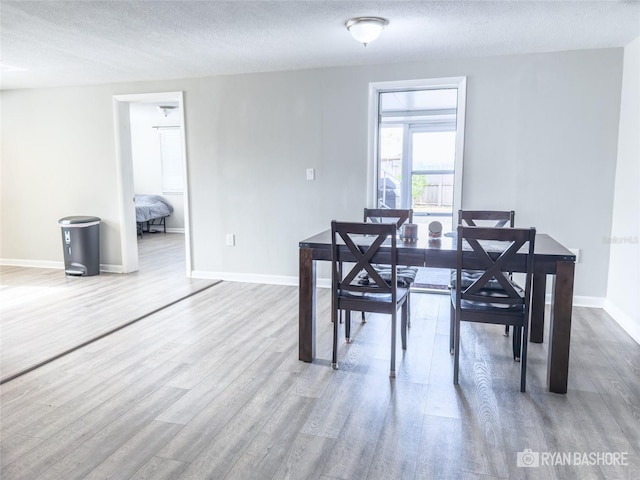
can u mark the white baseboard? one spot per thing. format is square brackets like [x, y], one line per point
[628, 324]
[246, 277]
[106, 268]
[582, 301]
[175, 230]
[13, 262]
[55, 265]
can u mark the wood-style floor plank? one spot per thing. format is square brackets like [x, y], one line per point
[44, 313]
[211, 387]
[159, 469]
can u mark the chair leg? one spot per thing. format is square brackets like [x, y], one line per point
[456, 347]
[523, 359]
[517, 341]
[409, 308]
[347, 326]
[392, 370]
[451, 329]
[340, 276]
[506, 330]
[404, 323]
[334, 356]
[364, 320]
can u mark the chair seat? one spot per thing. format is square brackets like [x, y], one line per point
[488, 305]
[405, 276]
[495, 308]
[376, 297]
[470, 276]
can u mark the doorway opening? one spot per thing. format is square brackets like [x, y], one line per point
[151, 126]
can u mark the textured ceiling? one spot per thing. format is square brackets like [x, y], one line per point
[54, 43]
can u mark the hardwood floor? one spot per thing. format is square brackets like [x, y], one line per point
[44, 313]
[211, 387]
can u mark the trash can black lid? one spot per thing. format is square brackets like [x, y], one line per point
[77, 219]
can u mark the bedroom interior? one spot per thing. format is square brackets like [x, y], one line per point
[156, 155]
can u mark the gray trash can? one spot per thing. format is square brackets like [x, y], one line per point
[81, 245]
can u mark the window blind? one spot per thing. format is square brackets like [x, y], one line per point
[171, 158]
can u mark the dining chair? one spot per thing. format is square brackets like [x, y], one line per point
[357, 246]
[405, 275]
[485, 218]
[491, 250]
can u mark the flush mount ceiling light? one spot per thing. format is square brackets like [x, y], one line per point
[366, 29]
[166, 109]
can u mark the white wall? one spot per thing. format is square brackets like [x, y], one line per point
[57, 159]
[542, 133]
[623, 299]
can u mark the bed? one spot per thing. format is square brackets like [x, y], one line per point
[151, 210]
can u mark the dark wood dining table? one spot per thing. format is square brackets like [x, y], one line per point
[550, 258]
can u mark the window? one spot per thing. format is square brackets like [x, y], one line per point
[171, 159]
[418, 161]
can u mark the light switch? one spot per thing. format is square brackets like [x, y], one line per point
[231, 239]
[311, 174]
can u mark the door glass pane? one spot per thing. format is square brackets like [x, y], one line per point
[432, 193]
[433, 150]
[432, 176]
[418, 104]
[389, 183]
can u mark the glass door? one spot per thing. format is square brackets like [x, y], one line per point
[431, 165]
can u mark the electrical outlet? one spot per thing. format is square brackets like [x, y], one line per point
[311, 174]
[231, 239]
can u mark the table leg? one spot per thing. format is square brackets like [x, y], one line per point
[560, 328]
[307, 306]
[539, 292]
